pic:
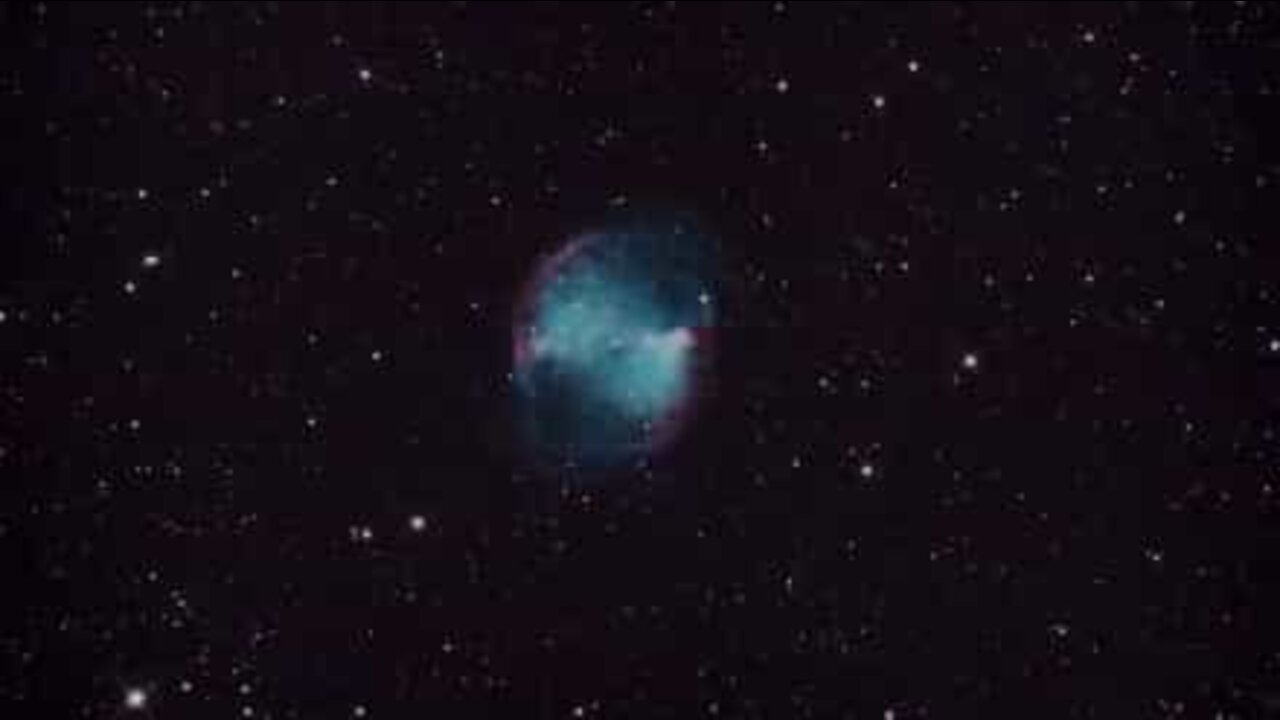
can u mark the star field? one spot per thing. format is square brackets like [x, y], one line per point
[988, 428]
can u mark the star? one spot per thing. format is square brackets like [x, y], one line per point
[135, 698]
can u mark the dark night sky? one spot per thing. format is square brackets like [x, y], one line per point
[989, 429]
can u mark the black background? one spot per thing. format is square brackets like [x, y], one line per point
[209, 465]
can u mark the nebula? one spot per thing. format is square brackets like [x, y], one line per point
[607, 344]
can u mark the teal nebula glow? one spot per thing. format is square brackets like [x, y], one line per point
[611, 341]
[617, 339]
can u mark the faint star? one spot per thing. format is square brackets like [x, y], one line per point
[417, 523]
[878, 101]
[970, 361]
[781, 85]
[913, 66]
[135, 698]
[1273, 346]
[365, 75]
[150, 260]
[130, 287]
[866, 470]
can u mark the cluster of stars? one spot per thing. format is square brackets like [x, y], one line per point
[204, 311]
